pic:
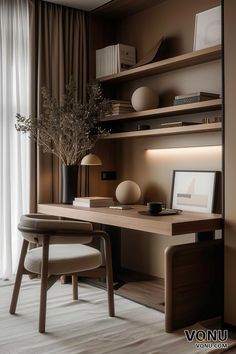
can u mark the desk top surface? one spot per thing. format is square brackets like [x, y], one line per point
[168, 225]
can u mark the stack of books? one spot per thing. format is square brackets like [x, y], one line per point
[93, 202]
[121, 107]
[195, 97]
[114, 58]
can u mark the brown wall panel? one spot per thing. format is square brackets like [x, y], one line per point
[153, 171]
[174, 19]
[230, 162]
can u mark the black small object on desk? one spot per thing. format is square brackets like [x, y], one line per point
[162, 212]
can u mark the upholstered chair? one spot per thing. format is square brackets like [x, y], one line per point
[62, 251]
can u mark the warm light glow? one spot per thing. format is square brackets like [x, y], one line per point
[185, 151]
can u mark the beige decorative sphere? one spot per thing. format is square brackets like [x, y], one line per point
[128, 192]
[144, 98]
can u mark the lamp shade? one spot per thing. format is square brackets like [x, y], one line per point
[91, 160]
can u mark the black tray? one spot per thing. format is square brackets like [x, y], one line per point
[162, 213]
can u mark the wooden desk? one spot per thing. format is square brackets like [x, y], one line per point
[171, 225]
[192, 272]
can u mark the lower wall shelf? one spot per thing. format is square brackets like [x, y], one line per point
[189, 108]
[189, 129]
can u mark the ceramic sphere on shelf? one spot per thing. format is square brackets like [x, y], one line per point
[128, 192]
[144, 98]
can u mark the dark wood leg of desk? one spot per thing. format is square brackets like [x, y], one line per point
[204, 236]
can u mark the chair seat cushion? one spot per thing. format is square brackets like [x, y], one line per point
[64, 259]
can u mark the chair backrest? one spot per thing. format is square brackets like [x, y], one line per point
[34, 226]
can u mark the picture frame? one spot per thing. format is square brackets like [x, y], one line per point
[194, 190]
[207, 31]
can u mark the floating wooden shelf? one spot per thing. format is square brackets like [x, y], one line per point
[203, 106]
[188, 129]
[178, 62]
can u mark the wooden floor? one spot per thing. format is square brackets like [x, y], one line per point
[141, 288]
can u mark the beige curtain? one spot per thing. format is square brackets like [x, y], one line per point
[58, 51]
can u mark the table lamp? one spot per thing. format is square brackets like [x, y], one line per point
[89, 160]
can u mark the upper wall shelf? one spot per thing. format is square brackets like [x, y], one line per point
[178, 62]
[189, 108]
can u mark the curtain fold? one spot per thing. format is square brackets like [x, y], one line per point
[58, 52]
[14, 181]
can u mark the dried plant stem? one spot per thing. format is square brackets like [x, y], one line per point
[70, 130]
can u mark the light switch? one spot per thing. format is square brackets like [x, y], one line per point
[108, 175]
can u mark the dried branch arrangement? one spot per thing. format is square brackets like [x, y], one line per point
[70, 130]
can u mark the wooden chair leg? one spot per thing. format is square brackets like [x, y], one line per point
[43, 290]
[109, 277]
[75, 286]
[19, 274]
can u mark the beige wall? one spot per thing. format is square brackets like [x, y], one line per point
[153, 170]
[230, 162]
[174, 19]
[204, 77]
[150, 163]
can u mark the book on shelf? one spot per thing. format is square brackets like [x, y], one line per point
[114, 58]
[120, 107]
[118, 113]
[125, 109]
[200, 93]
[125, 102]
[93, 202]
[126, 57]
[195, 97]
